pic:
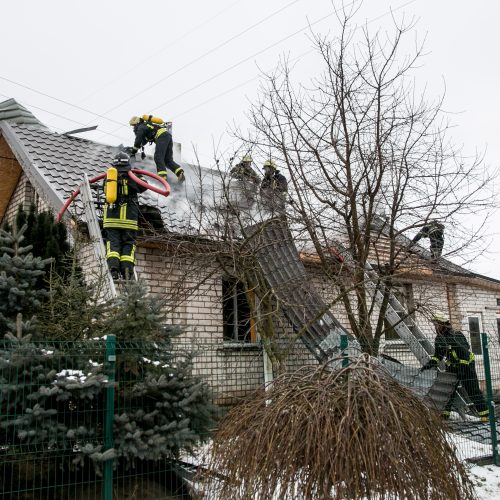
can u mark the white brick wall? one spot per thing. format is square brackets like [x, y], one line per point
[24, 195]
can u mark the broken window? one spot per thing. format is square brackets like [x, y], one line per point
[238, 324]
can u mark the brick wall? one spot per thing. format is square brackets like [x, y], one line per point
[24, 194]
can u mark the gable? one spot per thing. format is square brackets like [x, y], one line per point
[10, 173]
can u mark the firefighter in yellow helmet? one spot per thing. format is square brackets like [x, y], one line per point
[120, 221]
[452, 346]
[273, 188]
[243, 171]
[148, 131]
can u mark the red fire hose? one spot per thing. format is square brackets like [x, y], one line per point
[132, 174]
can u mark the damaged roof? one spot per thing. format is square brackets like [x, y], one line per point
[55, 163]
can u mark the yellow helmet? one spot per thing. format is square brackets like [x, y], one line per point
[440, 317]
[247, 158]
[134, 120]
[269, 163]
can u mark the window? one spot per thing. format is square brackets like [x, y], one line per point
[238, 324]
[498, 302]
[404, 294]
[498, 327]
[475, 333]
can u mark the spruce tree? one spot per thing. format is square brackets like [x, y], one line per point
[48, 238]
[20, 275]
[163, 408]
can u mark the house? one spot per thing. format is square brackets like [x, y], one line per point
[177, 256]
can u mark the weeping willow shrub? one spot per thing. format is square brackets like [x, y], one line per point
[324, 433]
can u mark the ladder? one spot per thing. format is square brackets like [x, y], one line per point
[109, 289]
[278, 258]
[397, 316]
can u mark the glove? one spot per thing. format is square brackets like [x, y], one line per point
[431, 364]
[130, 151]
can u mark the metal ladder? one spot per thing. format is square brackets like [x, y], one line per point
[109, 289]
[280, 262]
[397, 316]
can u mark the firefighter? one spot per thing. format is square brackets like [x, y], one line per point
[434, 230]
[274, 186]
[452, 346]
[244, 171]
[120, 221]
[146, 130]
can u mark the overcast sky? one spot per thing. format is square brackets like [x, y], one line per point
[197, 64]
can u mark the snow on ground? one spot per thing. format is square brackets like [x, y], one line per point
[486, 480]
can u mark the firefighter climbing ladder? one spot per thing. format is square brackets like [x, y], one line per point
[320, 331]
[109, 289]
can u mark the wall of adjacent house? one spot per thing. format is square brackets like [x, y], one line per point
[483, 304]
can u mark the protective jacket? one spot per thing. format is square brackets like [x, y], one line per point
[435, 232]
[243, 172]
[145, 133]
[453, 346]
[123, 214]
[275, 182]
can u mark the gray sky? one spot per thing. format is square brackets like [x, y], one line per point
[197, 63]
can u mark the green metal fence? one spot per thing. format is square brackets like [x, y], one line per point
[77, 419]
[97, 419]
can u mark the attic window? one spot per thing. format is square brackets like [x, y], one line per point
[238, 324]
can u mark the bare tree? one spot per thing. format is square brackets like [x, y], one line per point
[370, 162]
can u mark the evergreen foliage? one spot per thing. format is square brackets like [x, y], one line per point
[163, 407]
[54, 392]
[48, 239]
[20, 275]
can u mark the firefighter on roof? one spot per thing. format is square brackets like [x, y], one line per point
[433, 230]
[149, 129]
[274, 187]
[244, 171]
[121, 214]
[452, 346]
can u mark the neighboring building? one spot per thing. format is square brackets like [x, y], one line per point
[176, 249]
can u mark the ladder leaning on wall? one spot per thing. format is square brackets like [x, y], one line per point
[109, 289]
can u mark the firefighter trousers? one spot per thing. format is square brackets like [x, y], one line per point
[467, 376]
[120, 250]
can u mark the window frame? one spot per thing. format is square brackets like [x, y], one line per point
[238, 303]
[478, 351]
[498, 326]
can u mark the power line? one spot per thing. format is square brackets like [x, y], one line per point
[143, 61]
[293, 60]
[202, 56]
[58, 100]
[240, 62]
[29, 106]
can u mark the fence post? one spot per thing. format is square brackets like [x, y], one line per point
[344, 344]
[109, 411]
[489, 392]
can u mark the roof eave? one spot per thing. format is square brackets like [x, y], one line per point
[36, 178]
